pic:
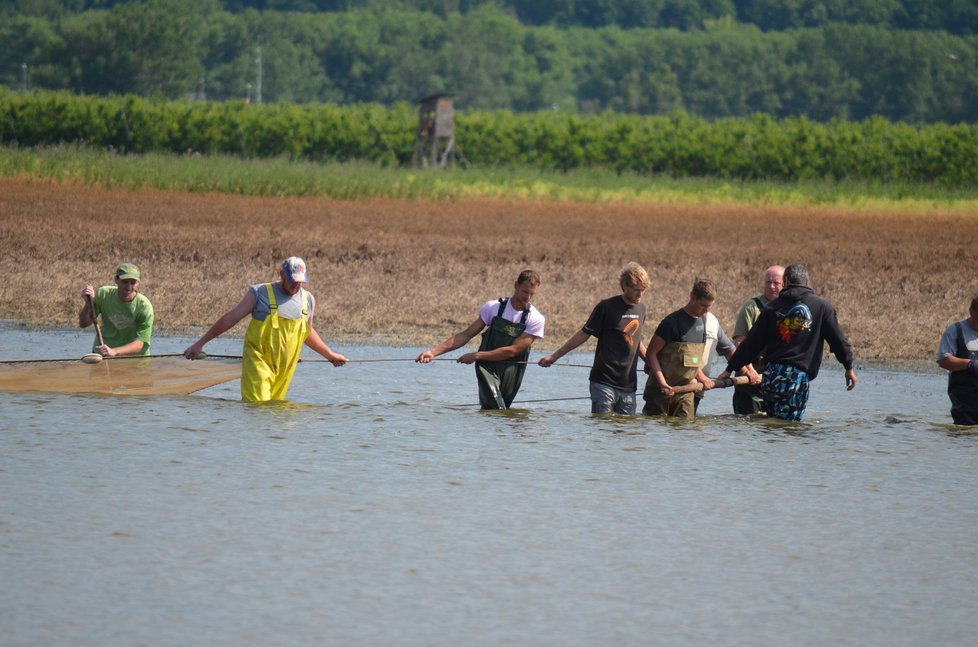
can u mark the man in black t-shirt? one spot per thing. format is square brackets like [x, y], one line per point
[617, 324]
[680, 352]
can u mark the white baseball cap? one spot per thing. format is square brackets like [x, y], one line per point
[295, 268]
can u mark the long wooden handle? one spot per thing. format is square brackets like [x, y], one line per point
[724, 383]
[98, 328]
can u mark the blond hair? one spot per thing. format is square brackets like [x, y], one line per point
[634, 275]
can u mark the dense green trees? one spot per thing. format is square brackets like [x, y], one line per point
[545, 55]
[676, 145]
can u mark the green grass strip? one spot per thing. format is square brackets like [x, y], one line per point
[360, 180]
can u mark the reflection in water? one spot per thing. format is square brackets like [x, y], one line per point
[369, 511]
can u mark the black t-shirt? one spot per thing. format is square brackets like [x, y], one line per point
[618, 328]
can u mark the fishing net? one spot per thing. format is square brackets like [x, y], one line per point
[119, 376]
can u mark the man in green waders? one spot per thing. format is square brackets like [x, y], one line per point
[511, 326]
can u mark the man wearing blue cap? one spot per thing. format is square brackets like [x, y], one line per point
[127, 315]
[281, 322]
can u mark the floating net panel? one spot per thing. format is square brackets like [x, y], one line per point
[119, 376]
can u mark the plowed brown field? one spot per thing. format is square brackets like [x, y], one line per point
[403, 272]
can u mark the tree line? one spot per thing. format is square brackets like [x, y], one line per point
[522, 57]
[956, 17]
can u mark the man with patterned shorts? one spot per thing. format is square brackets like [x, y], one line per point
[791, 332]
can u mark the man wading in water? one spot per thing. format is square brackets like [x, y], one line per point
[958, 355]
[791, 332]
[616, 322]
[511, 326]
[127, 315]
[281, 323]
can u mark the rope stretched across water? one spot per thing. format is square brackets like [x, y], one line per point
[478, 404]
[434, 359]
[301, 360]
[441, 359]
[115, 357]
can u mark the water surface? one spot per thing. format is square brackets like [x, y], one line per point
[380, 508]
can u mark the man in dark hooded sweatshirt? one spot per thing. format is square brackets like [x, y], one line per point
[790, 332]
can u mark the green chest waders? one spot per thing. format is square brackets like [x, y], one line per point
[500, 381]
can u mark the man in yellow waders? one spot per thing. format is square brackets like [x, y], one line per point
[511, 326]
[681, 350]
[281, 322]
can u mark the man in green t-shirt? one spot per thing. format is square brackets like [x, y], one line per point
[127, 315]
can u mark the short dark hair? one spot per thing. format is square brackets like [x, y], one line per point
[974, 303]
[796, 275]
[704, 289]
[528, 276]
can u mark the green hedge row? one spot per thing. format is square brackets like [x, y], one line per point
[676, 145]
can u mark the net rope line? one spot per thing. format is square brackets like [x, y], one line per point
[404, 359]
[478, 404]
[116, 358]
[78, 359]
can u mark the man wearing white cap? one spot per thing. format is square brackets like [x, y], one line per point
[281, 322]
[127, 315]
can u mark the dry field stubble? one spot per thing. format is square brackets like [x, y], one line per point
[406, 272]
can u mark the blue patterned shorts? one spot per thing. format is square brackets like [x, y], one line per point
[785, 391]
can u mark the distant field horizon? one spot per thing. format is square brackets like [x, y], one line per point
[411, 271]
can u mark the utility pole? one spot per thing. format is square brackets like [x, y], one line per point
[258, 80]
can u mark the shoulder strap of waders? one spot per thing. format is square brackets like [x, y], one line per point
[272, 306]
[502, 306]
[962, 349]
[760, 305]
[305, 304]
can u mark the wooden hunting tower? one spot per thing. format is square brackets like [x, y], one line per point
[436, 134]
